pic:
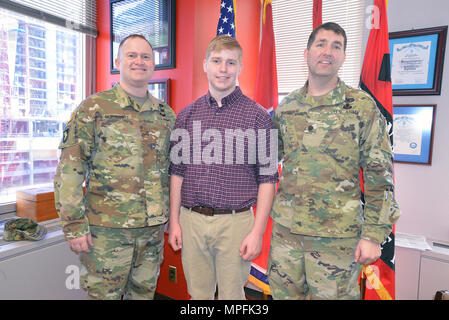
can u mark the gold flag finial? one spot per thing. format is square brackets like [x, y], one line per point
[267, 2]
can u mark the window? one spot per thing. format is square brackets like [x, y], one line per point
[42, 81]
[292, 24]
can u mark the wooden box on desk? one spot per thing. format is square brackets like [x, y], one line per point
[37, 204]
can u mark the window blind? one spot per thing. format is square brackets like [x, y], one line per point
[292, 24]
[78, 15]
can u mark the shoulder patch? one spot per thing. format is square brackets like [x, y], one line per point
[68, 135]
[65, 134]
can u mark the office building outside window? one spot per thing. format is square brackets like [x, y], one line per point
[42, 82]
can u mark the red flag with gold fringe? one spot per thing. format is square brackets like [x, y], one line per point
[378, 279]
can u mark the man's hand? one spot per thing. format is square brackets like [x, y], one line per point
[81, 244]
[367, 252]
[174, 228]
[175, 236]
[251, 246]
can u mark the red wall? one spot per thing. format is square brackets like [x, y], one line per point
[196, 25]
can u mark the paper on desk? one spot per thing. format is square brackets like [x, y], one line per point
[412, 241]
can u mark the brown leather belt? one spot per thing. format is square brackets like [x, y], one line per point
[211, 211]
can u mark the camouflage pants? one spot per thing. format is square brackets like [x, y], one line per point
[302, 267]
[123, 263]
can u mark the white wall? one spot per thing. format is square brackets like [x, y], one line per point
[423, 191]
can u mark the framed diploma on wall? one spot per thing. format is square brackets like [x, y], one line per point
[413, 127]
[417, 58]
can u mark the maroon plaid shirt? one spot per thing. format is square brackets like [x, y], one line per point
[220, 185]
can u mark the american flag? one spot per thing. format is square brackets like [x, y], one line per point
[226, 22]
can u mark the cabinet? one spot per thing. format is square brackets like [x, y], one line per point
[44, 269]
[434, 274]
[419, 274]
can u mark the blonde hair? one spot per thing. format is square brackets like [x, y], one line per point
[223, 42]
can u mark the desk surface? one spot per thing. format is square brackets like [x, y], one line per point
[10, 249]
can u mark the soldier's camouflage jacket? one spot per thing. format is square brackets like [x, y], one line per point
[324, 141]
[123, 155]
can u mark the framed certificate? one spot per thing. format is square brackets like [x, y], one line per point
[154, 19]
[160, 89]
[413, 127]
[417, 58]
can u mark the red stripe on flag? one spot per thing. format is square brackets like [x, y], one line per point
[375, 79]
[376, 48]
[266, 91]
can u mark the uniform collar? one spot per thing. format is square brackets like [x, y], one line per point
[336, 96]
[124, 100]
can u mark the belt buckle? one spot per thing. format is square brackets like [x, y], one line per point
[206, 211]
[209, 211]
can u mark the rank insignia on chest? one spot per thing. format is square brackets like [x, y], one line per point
[347, 103]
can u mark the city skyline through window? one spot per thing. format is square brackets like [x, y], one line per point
[42, 82]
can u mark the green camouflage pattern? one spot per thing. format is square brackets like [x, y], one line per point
[304, 267]
[323, 143]
[23, 229]
[123, 263]
[122, 151]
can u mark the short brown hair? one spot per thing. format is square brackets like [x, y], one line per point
[223, 42]
[132, 36]
[330, 26]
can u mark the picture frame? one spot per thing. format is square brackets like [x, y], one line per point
[141, 17]
[413, 132]
[159, 88]
[417, 58]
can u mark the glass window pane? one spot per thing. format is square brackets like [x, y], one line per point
[42, 82]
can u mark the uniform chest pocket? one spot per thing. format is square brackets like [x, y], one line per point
[118, 137]
[292, 130]
[337, 136]
[155, 134]
[163, 145]
[317, 135]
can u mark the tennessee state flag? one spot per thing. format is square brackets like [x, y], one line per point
[266, 94]
[378, 279]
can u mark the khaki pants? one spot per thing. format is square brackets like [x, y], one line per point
[123, 263]
[210, 253]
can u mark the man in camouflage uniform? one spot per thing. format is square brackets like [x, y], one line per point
[327, 132]
[117, 142]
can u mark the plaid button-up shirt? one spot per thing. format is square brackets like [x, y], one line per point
[227, 182]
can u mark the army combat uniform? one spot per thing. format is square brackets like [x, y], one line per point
[121, 150]
[317, 212]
